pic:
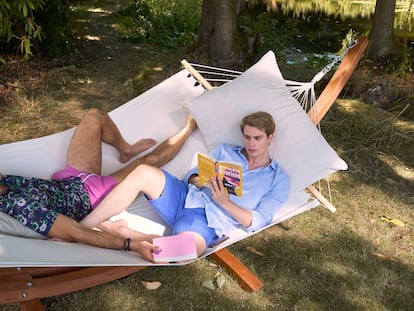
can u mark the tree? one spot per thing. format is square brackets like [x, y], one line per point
[218, 38]
[383, 42]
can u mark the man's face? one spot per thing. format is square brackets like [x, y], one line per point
[256, 142]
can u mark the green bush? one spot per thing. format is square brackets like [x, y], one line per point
[170, 24]
[25, 24]
[273, 34]
[54, 18]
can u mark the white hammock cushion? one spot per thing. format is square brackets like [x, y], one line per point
[298, 146]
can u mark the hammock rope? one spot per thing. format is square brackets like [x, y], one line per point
[303, 92]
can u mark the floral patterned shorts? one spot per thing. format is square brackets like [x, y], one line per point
[36, 202]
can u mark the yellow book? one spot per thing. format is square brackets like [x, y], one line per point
[228, 172]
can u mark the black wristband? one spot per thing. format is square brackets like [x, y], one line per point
[127, 244]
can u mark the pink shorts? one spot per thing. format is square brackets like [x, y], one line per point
[96, 186]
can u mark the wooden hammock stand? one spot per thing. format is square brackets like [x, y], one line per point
[27, 286]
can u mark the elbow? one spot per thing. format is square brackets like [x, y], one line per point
[258, 222]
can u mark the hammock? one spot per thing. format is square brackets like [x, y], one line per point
[32, 268]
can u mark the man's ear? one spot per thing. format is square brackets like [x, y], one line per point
[270, 137]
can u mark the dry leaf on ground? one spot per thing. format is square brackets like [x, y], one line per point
[151, 285]
[254, 251]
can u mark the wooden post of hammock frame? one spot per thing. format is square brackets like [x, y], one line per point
[247, 279]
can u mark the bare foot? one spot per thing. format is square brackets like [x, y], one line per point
[136, 148]
[191, 123]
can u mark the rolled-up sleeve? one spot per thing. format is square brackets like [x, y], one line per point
[190, 172]
[271, 202]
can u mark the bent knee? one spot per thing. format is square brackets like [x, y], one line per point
[94, 113]
[143, 170]
[148, 178]
[200, 244]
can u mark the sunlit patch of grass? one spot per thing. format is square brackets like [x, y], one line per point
[98, 10]
[31, 118]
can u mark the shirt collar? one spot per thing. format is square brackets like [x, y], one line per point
[272, 164]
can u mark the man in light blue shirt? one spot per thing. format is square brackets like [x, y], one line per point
[209, 212]
[264, 191]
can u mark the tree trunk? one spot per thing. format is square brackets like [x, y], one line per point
[218, 36]
[383, 42]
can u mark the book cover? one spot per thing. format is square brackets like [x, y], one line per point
[228, 172]
[175, 248]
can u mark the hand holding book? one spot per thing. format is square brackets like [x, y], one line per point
[229, 173]
[175, 248]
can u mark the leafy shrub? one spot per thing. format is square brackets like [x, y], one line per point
[171, 24]
[273, 34]
[28, 23]
[54, 18]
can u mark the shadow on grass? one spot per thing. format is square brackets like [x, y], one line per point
[105, 71]
[377, 146]
[339, 271]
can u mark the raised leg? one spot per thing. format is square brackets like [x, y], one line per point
[85, 149]
[162, 154]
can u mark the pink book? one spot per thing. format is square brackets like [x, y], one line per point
[175, 248]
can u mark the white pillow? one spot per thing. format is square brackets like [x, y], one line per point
[298, 146]
[9, 225]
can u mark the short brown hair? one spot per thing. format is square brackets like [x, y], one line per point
[260, 120]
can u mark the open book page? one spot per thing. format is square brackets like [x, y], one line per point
[206, 168]
[175, 248]
[229, 173]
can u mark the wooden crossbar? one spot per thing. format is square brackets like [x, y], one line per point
[27, 286]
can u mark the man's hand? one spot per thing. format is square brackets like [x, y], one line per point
[218, 192]
[145, 249]
[220, 195]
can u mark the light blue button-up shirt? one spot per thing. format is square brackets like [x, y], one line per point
[264, 191]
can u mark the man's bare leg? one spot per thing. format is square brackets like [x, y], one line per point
[163, 153]
[85, 149]
[120, 228]
[145, 178]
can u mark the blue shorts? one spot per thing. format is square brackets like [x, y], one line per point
[170, 206]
